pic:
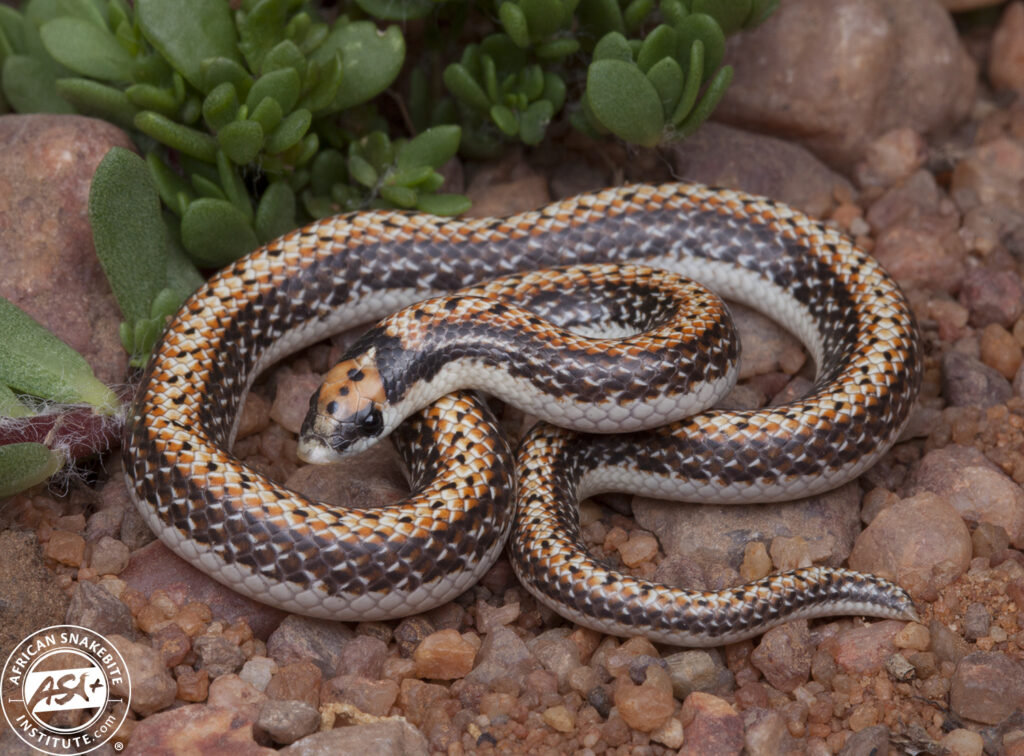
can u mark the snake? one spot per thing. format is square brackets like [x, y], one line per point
[469, 491]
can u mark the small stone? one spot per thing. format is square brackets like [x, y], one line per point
[152, 687]
[255, 416]
[978, 489]
[291, 403]
[193, 686]
[218, 655]
[172, 644]
[503, 656]
[756, 562]
[867, 741]
[914, 636]
[232, 692]
[108, 556]
[863, 650]
[559, 718]
[258, 671]
[993, 296]
[388, 737]
[363, 656]
[557, 652]
[410, 634]
[987, 687]
[784, 656]
[1006, 57]
[669, 734]
[1000, 351]
[65, 547]
[961, 742]
[966, 382]
[489, 617]
[306, 639]
[643, 707]
[891, 157]
[94, 607]
[710, 725]
[945, 644]
[641, 547]
[299, 681]
[195, 729]
[977, 621]
[375, 697]
[287, 721]
[922, 542]
[444, 655]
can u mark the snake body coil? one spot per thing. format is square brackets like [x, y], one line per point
[311, 558]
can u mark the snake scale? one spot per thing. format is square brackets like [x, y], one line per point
[312, 558]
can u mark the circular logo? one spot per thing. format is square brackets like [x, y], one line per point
[65, 690]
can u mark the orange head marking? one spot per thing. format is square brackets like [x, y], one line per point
[346, 412]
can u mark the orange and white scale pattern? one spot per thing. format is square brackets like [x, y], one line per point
[305, 556]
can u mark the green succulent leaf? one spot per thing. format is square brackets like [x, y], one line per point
[172, 188]
[241, 141]
[731, 15]
[328, 82]
[182, 138]
[259, 29]
[712, 95]
[557, 49]
[290, 132]
[505, 119]
[624, 101]
[613, 46]
[283, 85]
[30, 86]
[691, 85]
[275, 214]
[659, 44]
[706, 29]
[92, 98]
[220, 106]
[267, 114]
[461, 84]
[534, 122]
[371, 60]
[513, 21]
[601, 16]
[134, 247]
[397, 10]
[10, 405]
[667, 78]
[216, 71]
[232, 187]
[215, 233]
[124, 212]
[442, 204]
[635, 13]
[86, 49]
[400, 196]
[34, 361]
[188, 32]
[760, 11]
[149, 97]
[434, 147]
[361, 170]
[25, 465]
[328, 169]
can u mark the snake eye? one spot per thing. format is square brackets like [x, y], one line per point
[371, 423]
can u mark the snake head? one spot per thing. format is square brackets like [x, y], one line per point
[346, 414]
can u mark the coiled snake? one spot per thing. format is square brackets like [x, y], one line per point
[315, 559]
